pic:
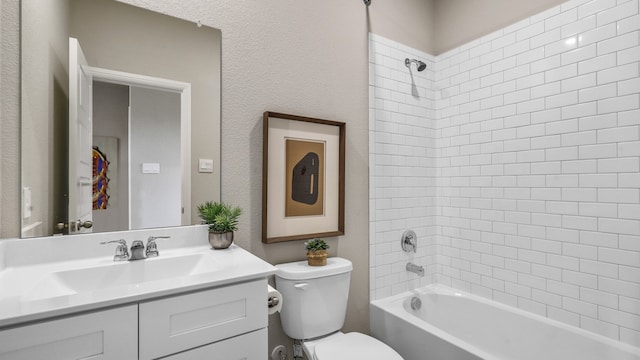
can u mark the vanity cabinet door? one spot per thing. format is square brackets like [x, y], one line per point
[110, 334]
[251, 346]
[169, 326]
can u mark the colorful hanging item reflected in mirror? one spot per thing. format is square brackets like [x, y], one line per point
[100, 180]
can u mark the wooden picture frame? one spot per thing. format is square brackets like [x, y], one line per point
[303, 181]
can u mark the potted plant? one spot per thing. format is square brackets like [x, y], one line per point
[316, 252]
[222, 220]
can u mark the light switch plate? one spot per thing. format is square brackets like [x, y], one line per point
[150, 168]
[205, 165]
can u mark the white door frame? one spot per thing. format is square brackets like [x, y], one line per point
[182, 88]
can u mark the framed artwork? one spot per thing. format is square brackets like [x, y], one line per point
[303, 165]
[105, 172]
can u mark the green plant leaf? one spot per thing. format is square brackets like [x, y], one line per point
[316, 245]
[219, 216]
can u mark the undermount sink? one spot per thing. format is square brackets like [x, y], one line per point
[121, 274]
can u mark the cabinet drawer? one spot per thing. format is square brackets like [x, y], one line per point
[175, 324]
[251, 346]
[110, 334]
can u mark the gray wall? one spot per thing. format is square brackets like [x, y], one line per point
[307, 58]
[460, 21]
[411, 22]
[9, 119]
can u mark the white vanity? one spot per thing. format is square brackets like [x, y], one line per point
[65, 298]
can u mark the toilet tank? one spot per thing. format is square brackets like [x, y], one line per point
[314, 298]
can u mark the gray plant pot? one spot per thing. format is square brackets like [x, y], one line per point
[220, 240]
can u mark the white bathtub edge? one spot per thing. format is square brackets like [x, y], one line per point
[394, 306]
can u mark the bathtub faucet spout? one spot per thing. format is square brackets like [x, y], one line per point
[415, 269]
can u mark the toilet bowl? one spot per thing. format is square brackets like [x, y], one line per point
[314, 308]
[349, 346]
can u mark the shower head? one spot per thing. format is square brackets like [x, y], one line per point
[421, 66]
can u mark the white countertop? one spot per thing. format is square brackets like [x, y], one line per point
[25, 296]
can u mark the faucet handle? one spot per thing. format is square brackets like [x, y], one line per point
[409, 241]
[152, 247]
[122, 253]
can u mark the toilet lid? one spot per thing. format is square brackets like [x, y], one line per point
[354, 346]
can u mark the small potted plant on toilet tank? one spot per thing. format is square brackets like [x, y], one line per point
[316, 252]
[222, 220]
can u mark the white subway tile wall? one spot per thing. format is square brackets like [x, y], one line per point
[403, 166]
[521, 166]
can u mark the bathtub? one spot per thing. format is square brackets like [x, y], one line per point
[451, 324]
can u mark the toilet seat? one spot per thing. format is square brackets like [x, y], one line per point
[354, 345]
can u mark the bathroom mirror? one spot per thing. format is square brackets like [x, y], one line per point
[119, 42]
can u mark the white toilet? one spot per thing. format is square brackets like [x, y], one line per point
[313, 311]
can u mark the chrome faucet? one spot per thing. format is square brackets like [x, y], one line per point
[137, 250]
[415, 269]
[152, 247]
[122, 253]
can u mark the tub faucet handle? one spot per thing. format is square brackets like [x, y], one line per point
[409, 241]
